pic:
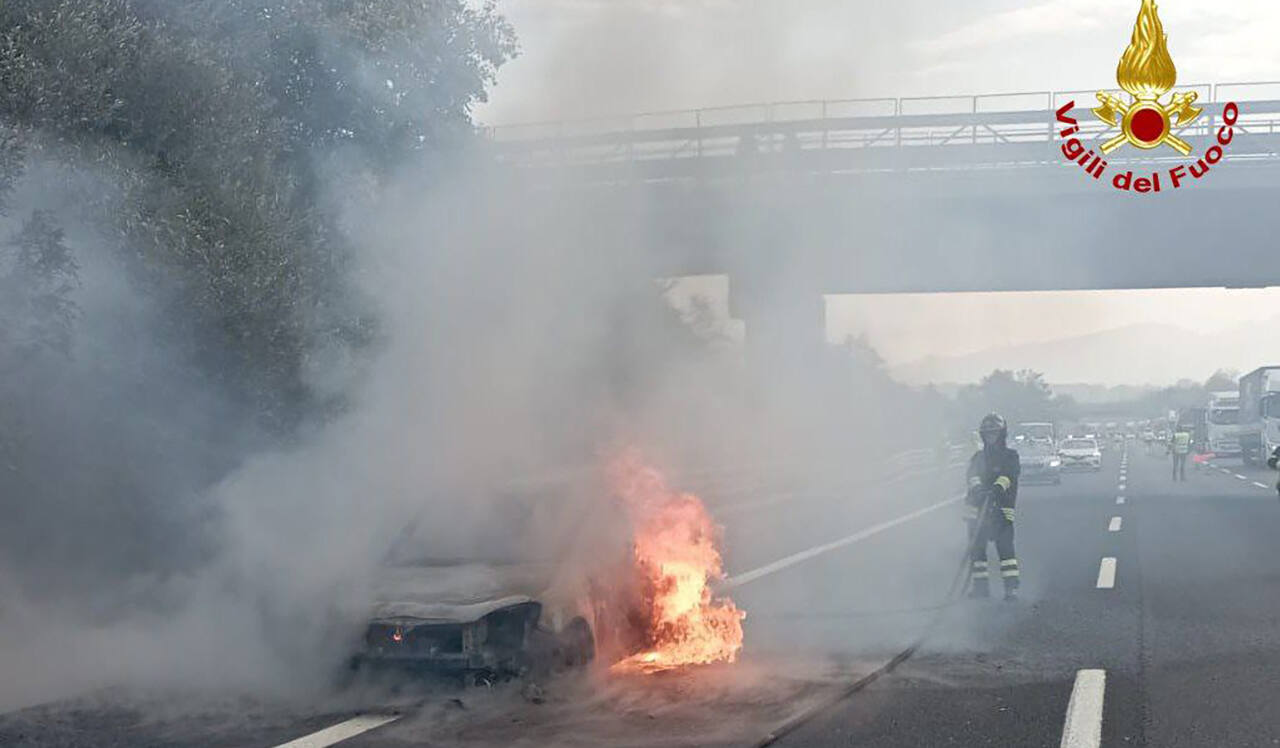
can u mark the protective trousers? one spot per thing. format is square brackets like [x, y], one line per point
[1179, 466]
[997, 528]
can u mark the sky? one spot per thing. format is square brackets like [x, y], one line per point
[605, 58]
[587, 58]
[907, 327]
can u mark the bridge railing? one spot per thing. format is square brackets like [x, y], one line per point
[848, 124]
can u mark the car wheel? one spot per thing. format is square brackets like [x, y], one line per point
[578, 646]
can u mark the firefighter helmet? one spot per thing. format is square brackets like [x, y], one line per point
[994, 424]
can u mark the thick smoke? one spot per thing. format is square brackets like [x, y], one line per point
[520, 336]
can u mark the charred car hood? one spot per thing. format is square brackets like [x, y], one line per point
[457, 594]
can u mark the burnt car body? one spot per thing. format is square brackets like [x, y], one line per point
[532, 579]
[495, 618]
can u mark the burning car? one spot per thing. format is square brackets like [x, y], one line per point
[521, 586]
[494, 616]
[629, 576]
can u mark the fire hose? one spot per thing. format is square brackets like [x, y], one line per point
[958, 584]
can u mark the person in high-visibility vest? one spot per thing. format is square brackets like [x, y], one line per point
[993, 493]
[1273, 462]
[1180, 447]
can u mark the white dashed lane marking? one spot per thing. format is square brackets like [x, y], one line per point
[1115, 524]
[1083, 726]
[1261, 485]
[1119, 499]
[1241, 477]
[1107, 573]
[341, 731]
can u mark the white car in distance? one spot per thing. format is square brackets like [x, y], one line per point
[1080, 454]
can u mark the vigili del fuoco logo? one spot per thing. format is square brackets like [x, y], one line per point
[1146, 73]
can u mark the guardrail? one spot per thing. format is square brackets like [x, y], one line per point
[988, 124]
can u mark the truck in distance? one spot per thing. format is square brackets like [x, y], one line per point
[1222, 424]
[1259, 429]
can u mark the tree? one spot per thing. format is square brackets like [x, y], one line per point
[37, 276]
[216, 122]
[1018, 396]
[196, 143]
[1223, 380]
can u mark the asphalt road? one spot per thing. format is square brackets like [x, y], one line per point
[1179, 640]
[1187, 635]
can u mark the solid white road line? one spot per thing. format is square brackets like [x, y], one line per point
[750, 576]
[1107, 573]
[1115, 525]
[341, 731]
[1261, 485]
[1083, 727]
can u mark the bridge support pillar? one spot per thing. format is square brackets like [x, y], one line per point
[785, 321]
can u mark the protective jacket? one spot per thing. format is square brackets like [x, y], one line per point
[994, 471]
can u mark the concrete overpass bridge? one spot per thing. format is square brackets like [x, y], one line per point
[968, 193]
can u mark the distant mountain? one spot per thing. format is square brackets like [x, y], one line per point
[1138, 355]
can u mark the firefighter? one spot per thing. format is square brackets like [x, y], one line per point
[993, 492]
[1272, 463]
[1180, 447]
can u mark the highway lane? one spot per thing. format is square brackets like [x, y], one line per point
[1186, 632]
[1212, 605]
[1002, 674]
[1185, 640]
[778, 512]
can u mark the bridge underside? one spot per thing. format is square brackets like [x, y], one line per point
[958, 231]
[786, 240]
[978, 201]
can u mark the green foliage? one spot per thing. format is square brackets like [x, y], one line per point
[206, 145]
[878, 413]
[37, 276]
[1223, 380]
[1185, 394]
[215, 120]
[1018, 396]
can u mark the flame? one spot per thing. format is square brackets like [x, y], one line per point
[676, 552]
[1146, 70]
